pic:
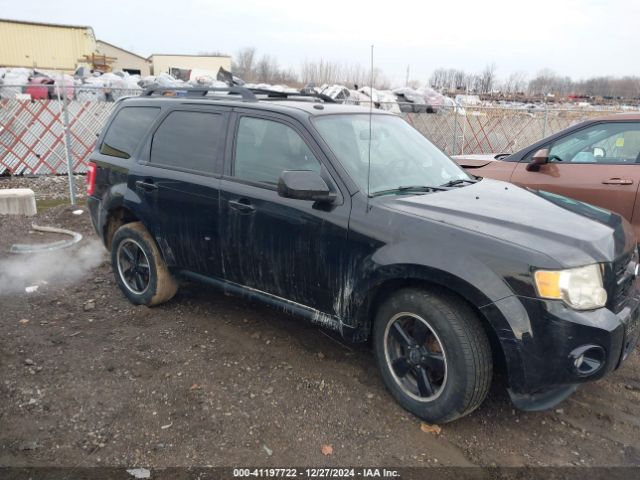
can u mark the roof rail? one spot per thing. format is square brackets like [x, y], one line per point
[246, 94]
[273, 94]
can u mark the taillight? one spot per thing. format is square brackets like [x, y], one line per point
[91, 178]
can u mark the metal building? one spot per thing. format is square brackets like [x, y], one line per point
[124, 59]
[44, 45]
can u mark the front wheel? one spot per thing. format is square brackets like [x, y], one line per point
[433, 354]
[139, 268]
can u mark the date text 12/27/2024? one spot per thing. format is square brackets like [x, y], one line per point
[315, 473]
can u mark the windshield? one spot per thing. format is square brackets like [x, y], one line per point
[400, 155]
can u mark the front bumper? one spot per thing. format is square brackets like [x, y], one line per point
[551, 348]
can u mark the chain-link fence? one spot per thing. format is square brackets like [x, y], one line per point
[495, 129]
[45, 136]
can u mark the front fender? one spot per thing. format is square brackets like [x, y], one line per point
[469, 277]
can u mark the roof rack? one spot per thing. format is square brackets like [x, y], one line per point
[247, 94]
[276, 95]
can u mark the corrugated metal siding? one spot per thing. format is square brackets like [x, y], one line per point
[44, 46]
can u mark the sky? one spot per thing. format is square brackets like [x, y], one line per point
[578, 38]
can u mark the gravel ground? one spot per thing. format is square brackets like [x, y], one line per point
[47, 187]
[87, 379]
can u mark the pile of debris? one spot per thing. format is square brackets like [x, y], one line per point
[35, 84]
[93, 85]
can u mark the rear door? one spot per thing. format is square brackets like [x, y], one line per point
[597, 164]
[117, 159]
[285, 247]
[180, 179]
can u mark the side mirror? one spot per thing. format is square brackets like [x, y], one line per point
[304, 185]
[539, 158]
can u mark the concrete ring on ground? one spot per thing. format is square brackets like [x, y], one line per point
[47, 247]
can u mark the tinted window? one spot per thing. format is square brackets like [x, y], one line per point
[264, 149]
[188, 140]
[603, 143]
[126, 131]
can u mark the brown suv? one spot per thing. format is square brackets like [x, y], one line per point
[597, 161]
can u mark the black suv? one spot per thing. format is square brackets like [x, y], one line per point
[351, 218]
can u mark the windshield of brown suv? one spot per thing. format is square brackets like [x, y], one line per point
[402, 159]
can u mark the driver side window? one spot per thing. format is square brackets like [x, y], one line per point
[608, 143]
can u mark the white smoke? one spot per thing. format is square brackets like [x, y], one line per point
[60, 266]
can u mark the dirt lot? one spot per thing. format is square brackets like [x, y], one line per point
[87, 379]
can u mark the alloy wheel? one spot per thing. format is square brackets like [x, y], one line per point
[415, 356]
[133, 266]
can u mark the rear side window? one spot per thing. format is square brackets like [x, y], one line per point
[126, 131]
[188, 140]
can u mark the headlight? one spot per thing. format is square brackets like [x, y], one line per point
[580, 288]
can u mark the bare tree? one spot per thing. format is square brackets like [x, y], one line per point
[447, 79]
[244, 64]
[515, 83]
[321, 72]
[267, 70]
[350, 75]
[487, 79]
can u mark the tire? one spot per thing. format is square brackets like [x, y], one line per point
[451, 372]
[150, 285]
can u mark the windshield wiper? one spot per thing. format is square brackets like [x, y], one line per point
[453, 183]
[408, 189]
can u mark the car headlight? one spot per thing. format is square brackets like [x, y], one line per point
[580, 288]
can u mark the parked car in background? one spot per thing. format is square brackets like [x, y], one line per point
[353, 219]
[597, 161]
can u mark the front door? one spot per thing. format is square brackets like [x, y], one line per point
[597, 164]
[285, 247]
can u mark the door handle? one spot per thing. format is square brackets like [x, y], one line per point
[242, 205]
[618, 181]
[146, 186]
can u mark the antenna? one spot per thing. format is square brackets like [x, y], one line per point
[370, 130]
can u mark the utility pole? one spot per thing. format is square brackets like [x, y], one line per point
[406, 83]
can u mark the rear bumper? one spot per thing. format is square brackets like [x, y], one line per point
[552, 348]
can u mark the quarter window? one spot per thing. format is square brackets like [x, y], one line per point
[126, 131]
[188, 140]
[265, 148]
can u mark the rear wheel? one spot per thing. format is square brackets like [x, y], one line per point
[139, 268]
[433, 354]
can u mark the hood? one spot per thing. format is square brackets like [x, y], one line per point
[572, 233]
[477, 161]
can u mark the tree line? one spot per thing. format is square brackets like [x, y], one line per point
[545, 82]
[254, 68]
